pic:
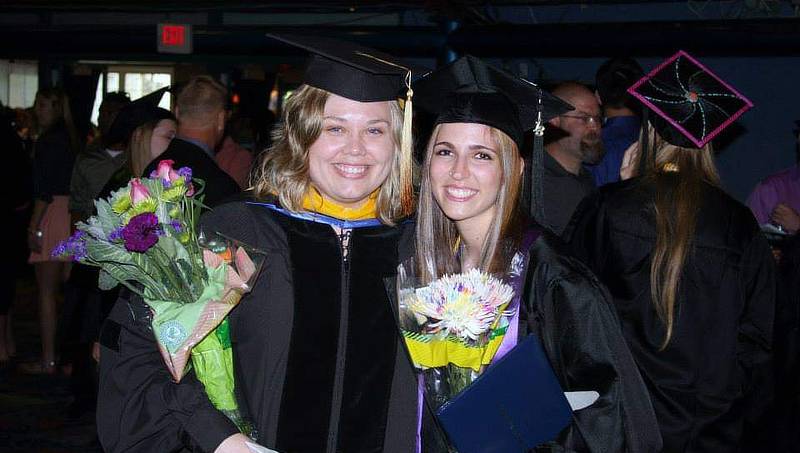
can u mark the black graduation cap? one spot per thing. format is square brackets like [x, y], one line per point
[349, 70]
[141, 111]
[365, 75]
[691, 103]
[470, 91]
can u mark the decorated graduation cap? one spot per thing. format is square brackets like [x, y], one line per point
[692, 105]
[365, 75]
[139, 112]
[470, 91]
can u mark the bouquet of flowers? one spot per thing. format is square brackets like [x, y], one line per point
[452, 327]
[145, 237]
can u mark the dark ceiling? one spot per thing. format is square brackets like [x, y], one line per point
[126, 30]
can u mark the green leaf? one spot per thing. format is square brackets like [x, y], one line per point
[106, 281]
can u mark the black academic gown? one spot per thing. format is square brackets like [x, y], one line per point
[571, 312]
[218, 184]
[317, 355]
[573, 315]
[721, 342]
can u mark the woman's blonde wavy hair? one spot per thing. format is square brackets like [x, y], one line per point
[283, 168]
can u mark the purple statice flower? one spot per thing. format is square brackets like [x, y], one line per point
[176, 225]
[115, 234]
[79, 250]
[141, 232]
[154, 174]
[74, 246]
[59, 250]
[186, 172]
[166, 183]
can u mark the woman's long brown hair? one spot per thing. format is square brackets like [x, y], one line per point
[677, 175]
[437, 234]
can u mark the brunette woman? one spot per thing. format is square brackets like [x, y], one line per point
[470, 216]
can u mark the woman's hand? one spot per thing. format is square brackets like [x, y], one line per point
[629, 161]
[35, 240]
[238, 443]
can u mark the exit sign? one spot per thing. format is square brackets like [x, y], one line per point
[175, 38]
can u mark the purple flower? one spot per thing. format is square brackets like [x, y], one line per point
[59, 250]
[74, 246]
[166, 183]
[186, 172]
[79, 250]
[115, 234]
[141, 232]
[176, 225]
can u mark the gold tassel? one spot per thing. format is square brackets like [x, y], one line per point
[406, 142]
[406, 155]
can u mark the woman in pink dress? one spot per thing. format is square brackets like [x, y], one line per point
[53, 156]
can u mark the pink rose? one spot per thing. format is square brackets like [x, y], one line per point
[165, 171]
[139, 192]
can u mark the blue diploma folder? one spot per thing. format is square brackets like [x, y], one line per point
[514, 406]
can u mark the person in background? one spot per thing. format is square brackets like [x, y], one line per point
[17, 187]
[776, 199]
[622, 115]
[233, 157]
[692, 277]
[55, 148]
[572, 141]
[200, 109]
[141, 130]
[98, 162]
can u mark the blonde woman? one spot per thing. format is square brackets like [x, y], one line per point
[470, 216]
[691, 275]
[315, 345]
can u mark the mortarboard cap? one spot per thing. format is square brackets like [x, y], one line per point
[141, 111]
[691, 103]
[364, 75]
[470, 91]
[349, 70]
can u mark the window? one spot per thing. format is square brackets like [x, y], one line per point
[137, 81]
[19, 81]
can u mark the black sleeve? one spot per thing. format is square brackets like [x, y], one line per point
[140, 408]
[44, 162]
[584, 342]
[756, 324]
[586, 233]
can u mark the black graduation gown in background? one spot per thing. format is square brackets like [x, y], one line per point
[572, 313]
[316, 351]
[219, 185]
[722, 335]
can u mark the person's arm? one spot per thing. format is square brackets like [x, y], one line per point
[34, 226]
[761, 202]
[587, 232]
[786, 217]
[140, 408]
[80, 203]
[585, 345]
[756, 323]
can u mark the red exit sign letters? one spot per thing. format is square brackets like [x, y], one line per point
[175, 38]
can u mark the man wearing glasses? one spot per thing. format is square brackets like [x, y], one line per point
[572, 140]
